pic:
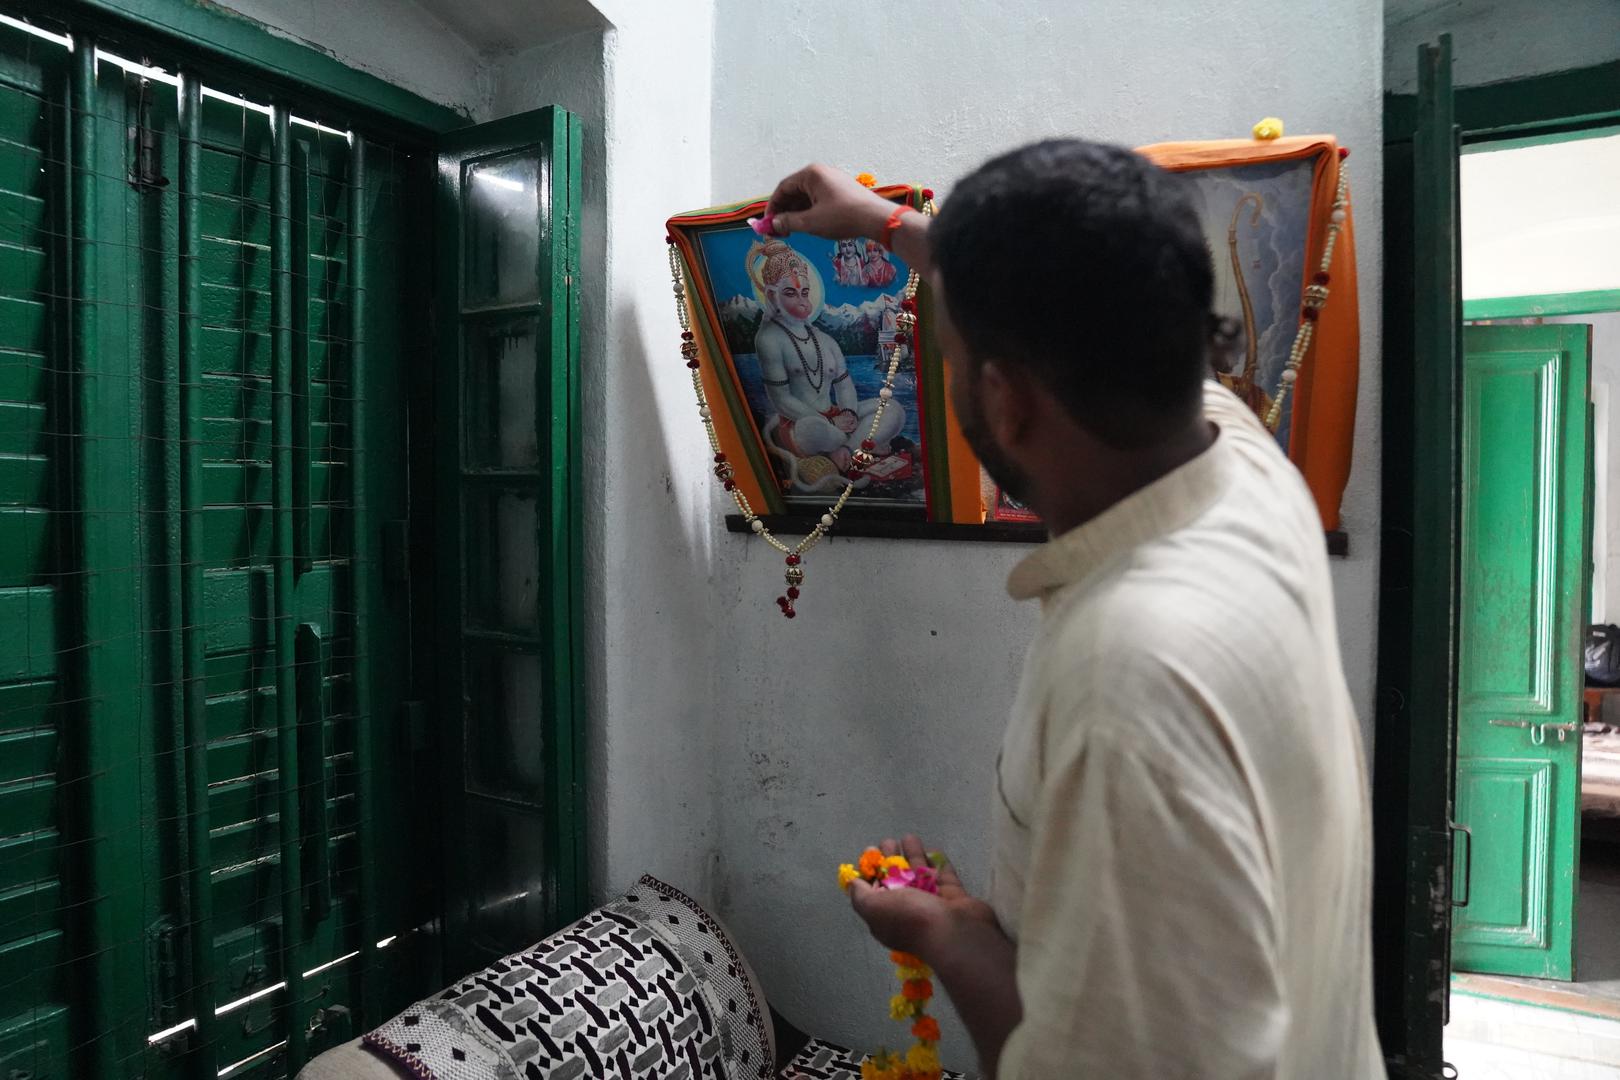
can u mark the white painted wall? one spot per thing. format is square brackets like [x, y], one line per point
[880, 708]
[1494, 40]
[396, 40]
[1541, 219]
[1605, 512]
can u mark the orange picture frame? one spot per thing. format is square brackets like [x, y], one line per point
[936, 456]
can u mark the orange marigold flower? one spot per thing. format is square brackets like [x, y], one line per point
[871, 863]
[866, 179]
[926, 1028]
[917, 989]
[922, 1058]
[905, 959]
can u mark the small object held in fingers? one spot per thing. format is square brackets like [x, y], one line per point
[764, 225]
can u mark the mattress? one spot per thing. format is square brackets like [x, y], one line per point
[1600, 771]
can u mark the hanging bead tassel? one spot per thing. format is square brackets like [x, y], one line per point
[1315, 299]
[905, 322]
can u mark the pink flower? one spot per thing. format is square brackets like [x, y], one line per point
[763, 225]
[921, 877]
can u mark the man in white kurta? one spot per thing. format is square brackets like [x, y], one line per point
[1182, 839]
[1182, 866]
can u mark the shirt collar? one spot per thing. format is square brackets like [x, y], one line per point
[1171, 502]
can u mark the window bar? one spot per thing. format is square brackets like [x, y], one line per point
[104, 501]
[285, 580]
[193, 697]
[303, 544]
[360, 584]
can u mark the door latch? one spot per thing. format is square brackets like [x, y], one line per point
[1538, 731]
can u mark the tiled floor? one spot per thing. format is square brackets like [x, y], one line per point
[1524, 1039]
[1482, 1061]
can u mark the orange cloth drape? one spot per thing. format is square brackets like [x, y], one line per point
[1323, 410]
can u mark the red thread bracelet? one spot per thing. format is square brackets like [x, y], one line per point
[894, 223]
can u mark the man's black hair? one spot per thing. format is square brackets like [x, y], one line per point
[1086, 264]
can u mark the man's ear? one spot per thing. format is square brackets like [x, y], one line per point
[1008, 403]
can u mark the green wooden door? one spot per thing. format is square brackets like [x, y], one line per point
[1524, 549]
[510, 529]
[1418, 592]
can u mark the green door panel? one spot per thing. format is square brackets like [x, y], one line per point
[1524, 543]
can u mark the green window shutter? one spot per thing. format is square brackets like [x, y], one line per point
[35, 933]
[205, 789]
[509, 528]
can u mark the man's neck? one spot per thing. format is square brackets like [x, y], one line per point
[1110, 476]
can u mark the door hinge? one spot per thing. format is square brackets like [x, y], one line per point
[146, 173]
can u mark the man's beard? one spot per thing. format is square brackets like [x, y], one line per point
[1008, 477]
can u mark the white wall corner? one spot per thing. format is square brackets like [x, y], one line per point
[658, 754]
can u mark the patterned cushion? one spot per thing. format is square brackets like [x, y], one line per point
[649, 987]
[825, 1061]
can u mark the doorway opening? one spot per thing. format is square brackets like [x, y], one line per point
[1538, 745]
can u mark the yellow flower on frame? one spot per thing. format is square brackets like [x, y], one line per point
[902, 1008]
[866, 179]
[1269, 128]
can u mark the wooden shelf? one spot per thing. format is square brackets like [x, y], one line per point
[892, 527]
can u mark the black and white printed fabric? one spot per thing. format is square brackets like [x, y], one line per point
[648, 986]
[825, 1061]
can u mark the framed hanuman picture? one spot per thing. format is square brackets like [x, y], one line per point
[796, 337]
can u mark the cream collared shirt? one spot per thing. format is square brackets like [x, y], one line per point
[1183, 846]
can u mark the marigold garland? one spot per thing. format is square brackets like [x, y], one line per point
[921, 1062]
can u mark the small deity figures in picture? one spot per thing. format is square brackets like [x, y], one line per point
[876, 269]
[849, 268]
[819, 412]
